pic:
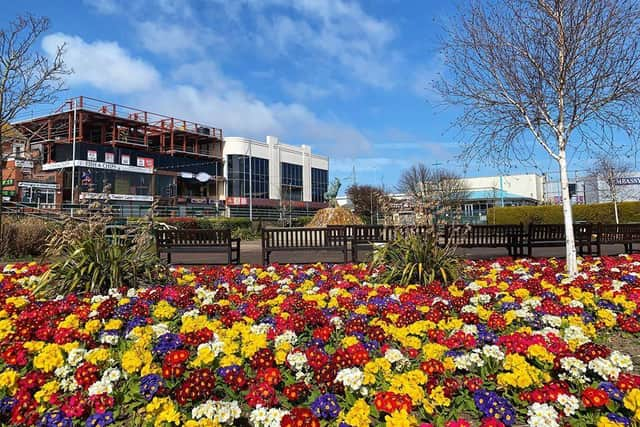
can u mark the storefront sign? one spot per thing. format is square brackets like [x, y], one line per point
[25, 164]
[25, 184]
[125, 159]
[9, 193]
[631, 180]
[237, 200]
[109, 158]
[96, 165]
[145, 162]
[7, 182]
[119, 197]
[92, 155]
[199, 200]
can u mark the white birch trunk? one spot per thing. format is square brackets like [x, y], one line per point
[571, 256]
[615, 209]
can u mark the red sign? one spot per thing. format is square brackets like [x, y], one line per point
[237, 201]
[145, 162]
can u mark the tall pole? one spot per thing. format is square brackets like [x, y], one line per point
[501, 193]
[250, 184]
[73, 157]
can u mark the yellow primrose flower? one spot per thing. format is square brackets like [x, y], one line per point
[97, 356]
[113, 325]
[49, 358]
[400, 419]
[164, 310]
[8, 380]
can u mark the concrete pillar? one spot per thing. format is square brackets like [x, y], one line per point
[306, 173]
[274, 167]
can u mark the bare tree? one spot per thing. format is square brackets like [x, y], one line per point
[610, 172]
[557, 73]
[435, 191]
[27, 77]
[368, 200]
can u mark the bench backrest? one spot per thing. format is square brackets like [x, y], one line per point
[618, 232]
[304, 237]
[483, 234]
[195, 237]
[556, 232]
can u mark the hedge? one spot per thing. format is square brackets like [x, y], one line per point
[207, 223]
[602, 212]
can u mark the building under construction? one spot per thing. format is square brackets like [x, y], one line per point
[91, 149]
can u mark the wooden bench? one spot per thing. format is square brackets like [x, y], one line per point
[508, 236]
[553, 235]
[200, 241]
[365, 237]
[617, 234]
[304, 239]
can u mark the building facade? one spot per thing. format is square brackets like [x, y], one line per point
[91, 149]
[272, 180]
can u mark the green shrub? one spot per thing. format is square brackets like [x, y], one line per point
[595, 213]
[24, 237]
[90, 260]
[416, 259]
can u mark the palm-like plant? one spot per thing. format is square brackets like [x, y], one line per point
[416, 259]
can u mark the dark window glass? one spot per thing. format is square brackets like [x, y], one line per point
[319, 184]
[291, 181]
[238, 176]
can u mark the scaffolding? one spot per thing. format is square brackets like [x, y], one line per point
[106, 123]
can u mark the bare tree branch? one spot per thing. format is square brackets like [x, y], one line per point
[529, 73]
[27, 77]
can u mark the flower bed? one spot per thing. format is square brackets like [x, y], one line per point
[318, 345]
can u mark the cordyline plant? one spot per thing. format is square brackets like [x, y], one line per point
[94, 256]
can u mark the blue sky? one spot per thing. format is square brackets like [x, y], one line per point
[351, 79]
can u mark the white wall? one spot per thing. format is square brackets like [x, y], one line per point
[525, 185]
[277, 152]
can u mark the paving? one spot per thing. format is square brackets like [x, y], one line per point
[250, 253]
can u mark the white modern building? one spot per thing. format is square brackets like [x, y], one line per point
[501, 190]
[271, 180]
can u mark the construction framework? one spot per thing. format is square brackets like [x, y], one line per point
[106, 123]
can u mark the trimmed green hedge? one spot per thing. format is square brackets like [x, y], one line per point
[602, 212]
[207, 223]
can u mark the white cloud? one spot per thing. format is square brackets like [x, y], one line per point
[240, 113]
[105, 7]
[104, 65]
[334, 32]
[164, 38]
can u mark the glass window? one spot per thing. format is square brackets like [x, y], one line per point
[319, 184]
[291, 180]
[238, 176]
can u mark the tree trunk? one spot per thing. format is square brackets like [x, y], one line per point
[572, 261]
[615, 210]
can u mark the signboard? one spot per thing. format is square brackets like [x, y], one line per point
[9, 193]
[95, 165]
[145, 162]
[237, 200]
[125, 159]
[43, 185]
[199, 200]
[92, 155]
[7, 182]
[631, 180]
[109, 158]
[119, 197]
[25, 164]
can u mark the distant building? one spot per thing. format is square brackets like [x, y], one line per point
[91, 149]
[286, 180]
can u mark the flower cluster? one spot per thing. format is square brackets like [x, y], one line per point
[516, 342]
